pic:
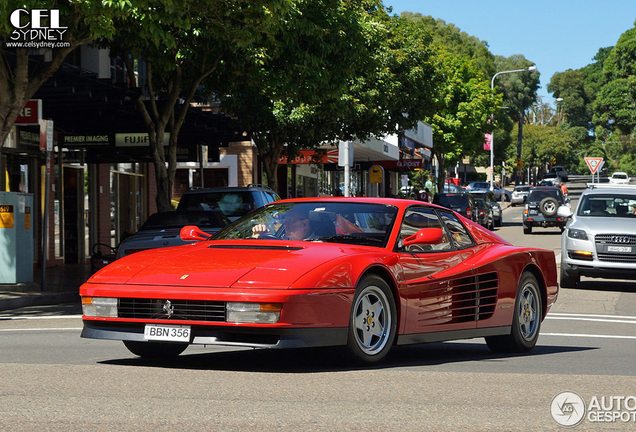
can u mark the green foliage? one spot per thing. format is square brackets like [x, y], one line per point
[574, 109]
[463, 106]
[541, 144]
[520, 88]
[457, 42]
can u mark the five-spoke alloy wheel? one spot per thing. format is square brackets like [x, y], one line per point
[373, 321]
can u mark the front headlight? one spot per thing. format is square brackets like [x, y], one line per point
[254, 313]
[99, 307]
[577, 234]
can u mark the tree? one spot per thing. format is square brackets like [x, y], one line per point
[457, 42]
[520, 91]
[23, 71]
[364, 73]
[574, 109]
[542, 144]
[464, 104]
[184, 44]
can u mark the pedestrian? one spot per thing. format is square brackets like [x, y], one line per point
[564, 190]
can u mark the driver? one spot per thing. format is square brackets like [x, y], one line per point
[297, 226]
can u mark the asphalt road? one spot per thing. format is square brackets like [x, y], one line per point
[51, 379]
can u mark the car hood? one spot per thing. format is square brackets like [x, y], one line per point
[604, 225]
[250, 264]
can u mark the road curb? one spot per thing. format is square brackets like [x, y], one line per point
[25, 300]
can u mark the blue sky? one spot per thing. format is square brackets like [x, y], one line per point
[556, 35]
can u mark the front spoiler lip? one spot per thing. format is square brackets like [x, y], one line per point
[249, 337]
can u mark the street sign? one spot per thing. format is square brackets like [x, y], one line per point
[594, 163]
[519, 164]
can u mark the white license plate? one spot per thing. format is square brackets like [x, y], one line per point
[619, 249]
[533, 212]
[167, 333]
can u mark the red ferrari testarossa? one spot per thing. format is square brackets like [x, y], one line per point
[366, 273]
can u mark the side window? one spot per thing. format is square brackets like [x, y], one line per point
[414, 220]
[457, 231]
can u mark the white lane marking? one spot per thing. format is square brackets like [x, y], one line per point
[621, 319]
[589, 336]
[590, 315]
[41, 329]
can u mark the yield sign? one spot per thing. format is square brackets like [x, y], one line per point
[593, 163]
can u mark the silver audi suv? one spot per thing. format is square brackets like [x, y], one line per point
[600, 238]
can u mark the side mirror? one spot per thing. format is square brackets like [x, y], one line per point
[193, 233]
[425, 236]
[564, 211]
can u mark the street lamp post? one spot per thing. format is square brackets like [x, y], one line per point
[492, 140]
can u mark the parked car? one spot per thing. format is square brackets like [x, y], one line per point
[561, 172]
[234, 202]
[453, 188]
[478, 185]
[462, 203]
[492, 203]
[395, 272]
[600, 238]
[541, 209]
[550, 179]
[484, 215]
[162, 229]
[520, 194]
[619, 178]
[496, 190]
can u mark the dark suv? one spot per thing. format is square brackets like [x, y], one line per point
[234, 202]
[462, 203]
[541, 209]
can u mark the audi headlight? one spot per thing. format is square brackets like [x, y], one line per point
[254, 313]
[99, 307]
[577, 234]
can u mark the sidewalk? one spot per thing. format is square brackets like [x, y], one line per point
[62, 286]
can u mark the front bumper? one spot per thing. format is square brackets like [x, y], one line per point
[254, 337]
[596, 269]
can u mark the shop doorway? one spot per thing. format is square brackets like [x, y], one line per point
[127, 205]
[73, 211]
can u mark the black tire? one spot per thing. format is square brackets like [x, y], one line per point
[569, 279]
[499, 221]
[491, 225]
[549, 206]
[526, 321]
[527, 229]
[373, 320]
[155, 350]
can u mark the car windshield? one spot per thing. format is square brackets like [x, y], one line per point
[522, 188]
[338, 222]
[615, 206]
[619, 176]
[176, 219]
[232, 204]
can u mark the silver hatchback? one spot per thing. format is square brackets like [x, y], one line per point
[600, 238]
